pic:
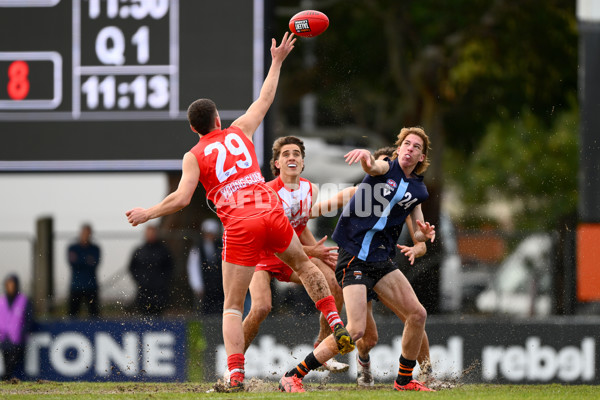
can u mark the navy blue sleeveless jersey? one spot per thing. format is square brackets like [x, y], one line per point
[372, 220]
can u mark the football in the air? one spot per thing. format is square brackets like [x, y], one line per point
[309, 23]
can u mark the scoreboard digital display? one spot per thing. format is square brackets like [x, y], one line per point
[104, 84]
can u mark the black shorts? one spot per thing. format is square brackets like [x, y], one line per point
[372, 295]
[352, 271]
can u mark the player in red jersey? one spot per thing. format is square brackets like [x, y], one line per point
[225, 162]
[297, 196]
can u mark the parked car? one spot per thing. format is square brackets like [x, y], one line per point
[522, 284]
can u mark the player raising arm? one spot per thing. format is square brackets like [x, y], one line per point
[367, 233]
[225, 162]
[370, 338]
[204, 118]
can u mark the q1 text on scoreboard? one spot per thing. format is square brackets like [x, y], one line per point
[104, 84]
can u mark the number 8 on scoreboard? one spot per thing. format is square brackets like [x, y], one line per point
[24, 78]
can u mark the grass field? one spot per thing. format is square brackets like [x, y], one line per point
[257, 389]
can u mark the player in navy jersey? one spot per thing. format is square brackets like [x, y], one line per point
[364, 377]
[370, 338]
[367, 233]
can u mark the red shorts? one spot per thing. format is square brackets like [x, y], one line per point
[281, 272]
[245, 239]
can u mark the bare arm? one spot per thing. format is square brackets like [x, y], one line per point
[369, 164]
[334, 203]
[176, 200]
[312, 248]
[255, 114]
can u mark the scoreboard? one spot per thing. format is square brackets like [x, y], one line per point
[105, 84]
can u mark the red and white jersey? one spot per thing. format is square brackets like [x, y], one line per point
[297, 205]
[230, 173]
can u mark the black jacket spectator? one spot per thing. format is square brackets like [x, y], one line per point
[84, 257]
[204, 269]
[151, 267]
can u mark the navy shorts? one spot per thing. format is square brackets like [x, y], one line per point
[352, 271]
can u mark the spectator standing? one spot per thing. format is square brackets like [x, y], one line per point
[84, 257]
[204, 269]
[15, 323]
[151, 267]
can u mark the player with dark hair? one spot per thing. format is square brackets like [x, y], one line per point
[297, 196]
[383, 152]
[225, 162]
[367, 233]
[201, 115]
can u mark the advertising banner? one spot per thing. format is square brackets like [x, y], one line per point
[107, 351]
[557, 350]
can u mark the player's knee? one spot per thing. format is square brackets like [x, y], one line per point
[418, 316]
[356, 333]
[261, 310]
[234, 302]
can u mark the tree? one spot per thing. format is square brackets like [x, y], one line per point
[526, 165]
[453, 67]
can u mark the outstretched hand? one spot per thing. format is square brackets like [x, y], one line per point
[279, 53]
[324, 253]
[427, 230]
[358, 155]
[408, 251]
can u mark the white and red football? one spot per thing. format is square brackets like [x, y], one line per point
[309, 23]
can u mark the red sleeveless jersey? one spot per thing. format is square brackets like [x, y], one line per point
[296, 203]
[230, 173]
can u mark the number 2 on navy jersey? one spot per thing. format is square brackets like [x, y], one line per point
[235, 146]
